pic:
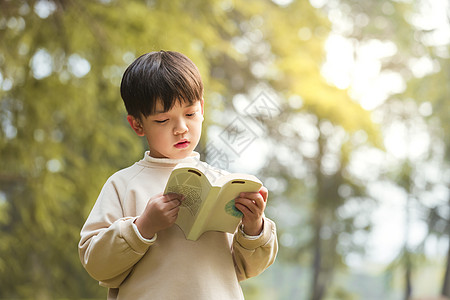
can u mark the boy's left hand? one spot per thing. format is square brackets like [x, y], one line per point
[252, 206]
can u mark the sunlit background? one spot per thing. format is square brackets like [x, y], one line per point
[341, 108]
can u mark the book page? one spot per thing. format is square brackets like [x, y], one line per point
[208, 206]
[195, 187]
[224, 216]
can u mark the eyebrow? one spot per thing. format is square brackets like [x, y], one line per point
[162, 112]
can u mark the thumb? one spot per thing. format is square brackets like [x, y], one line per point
[264, 192]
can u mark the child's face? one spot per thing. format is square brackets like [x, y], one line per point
[173, 134]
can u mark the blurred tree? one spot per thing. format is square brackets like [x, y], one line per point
[313, 137]
[63, 128]
[60, 66]
[419, 32]
[61, 134]
[432, 93]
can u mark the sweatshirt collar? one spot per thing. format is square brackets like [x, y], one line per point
[168, 161]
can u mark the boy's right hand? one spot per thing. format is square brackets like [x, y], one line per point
[160, 213]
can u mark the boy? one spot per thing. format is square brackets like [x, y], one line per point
[130, 242]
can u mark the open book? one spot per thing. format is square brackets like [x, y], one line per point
[208, 205]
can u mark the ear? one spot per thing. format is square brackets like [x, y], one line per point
[202, 103]
[136, 125]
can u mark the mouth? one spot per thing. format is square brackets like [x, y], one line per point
[182, 144]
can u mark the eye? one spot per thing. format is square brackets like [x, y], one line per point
[161, 121]
[191, 114]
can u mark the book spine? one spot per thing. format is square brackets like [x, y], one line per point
[198, 227]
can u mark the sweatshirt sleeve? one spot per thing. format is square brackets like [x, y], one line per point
[109, 246]
[252, 256]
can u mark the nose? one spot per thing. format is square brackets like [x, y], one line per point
[180, 127]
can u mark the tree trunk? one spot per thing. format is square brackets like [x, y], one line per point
[408, 286]
[317, 288]
[407, 253]
[446, 283]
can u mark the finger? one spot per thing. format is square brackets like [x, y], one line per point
[170, 205]
[264, 192]
[243, 209]
[173, 213]
[249, 204]
[173, 196]
[255, 198]
[250, 195]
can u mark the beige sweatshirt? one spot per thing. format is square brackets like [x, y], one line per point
[168, 267]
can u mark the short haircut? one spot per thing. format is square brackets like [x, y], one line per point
[165, 76]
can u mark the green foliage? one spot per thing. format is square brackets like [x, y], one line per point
[395, 21]
[64, 133]
[63, 129]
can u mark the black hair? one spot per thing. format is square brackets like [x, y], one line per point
[165, 76]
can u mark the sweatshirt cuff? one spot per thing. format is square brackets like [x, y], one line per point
[148, 241]
[129, 234]
[253, 242]
[250, 237]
